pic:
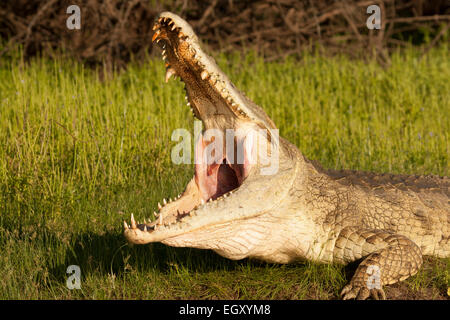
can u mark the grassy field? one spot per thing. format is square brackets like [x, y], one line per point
[78, 155]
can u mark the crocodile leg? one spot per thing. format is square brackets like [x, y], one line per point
[388, 258]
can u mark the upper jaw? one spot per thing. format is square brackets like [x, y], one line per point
[210, 92]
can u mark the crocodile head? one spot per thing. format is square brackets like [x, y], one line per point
[231, 192]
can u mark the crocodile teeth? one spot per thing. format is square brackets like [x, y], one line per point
[133, 222]
[204, 74]
[125, 225]
[155, 35]
[169, 73]
[145, 228]
[164, 201]
[159, 206]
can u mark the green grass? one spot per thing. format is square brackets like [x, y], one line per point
[78, 155]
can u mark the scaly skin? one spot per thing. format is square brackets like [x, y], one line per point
[302, 212]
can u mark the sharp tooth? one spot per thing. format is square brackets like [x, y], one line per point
[133, 222]
[155, 35]
[125, 225]
[145, 228]
[155, 214]
[164, 52]
[204, 74]
[174, 27]
[181, 35]
[155, 26]
[159, 206]
[164, 201]
[170, 200]
[188, 104]
[169, 73]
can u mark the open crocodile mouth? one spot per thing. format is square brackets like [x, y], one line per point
[214, 100]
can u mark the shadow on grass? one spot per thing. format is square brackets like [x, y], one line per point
[111, 254]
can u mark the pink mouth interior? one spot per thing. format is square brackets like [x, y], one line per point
[223, 174]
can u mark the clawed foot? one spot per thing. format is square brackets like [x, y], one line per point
[359, 292]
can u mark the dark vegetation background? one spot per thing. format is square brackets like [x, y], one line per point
[114, 31]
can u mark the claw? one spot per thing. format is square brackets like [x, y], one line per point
[361, 293]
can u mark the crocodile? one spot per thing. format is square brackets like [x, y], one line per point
[299, 212]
